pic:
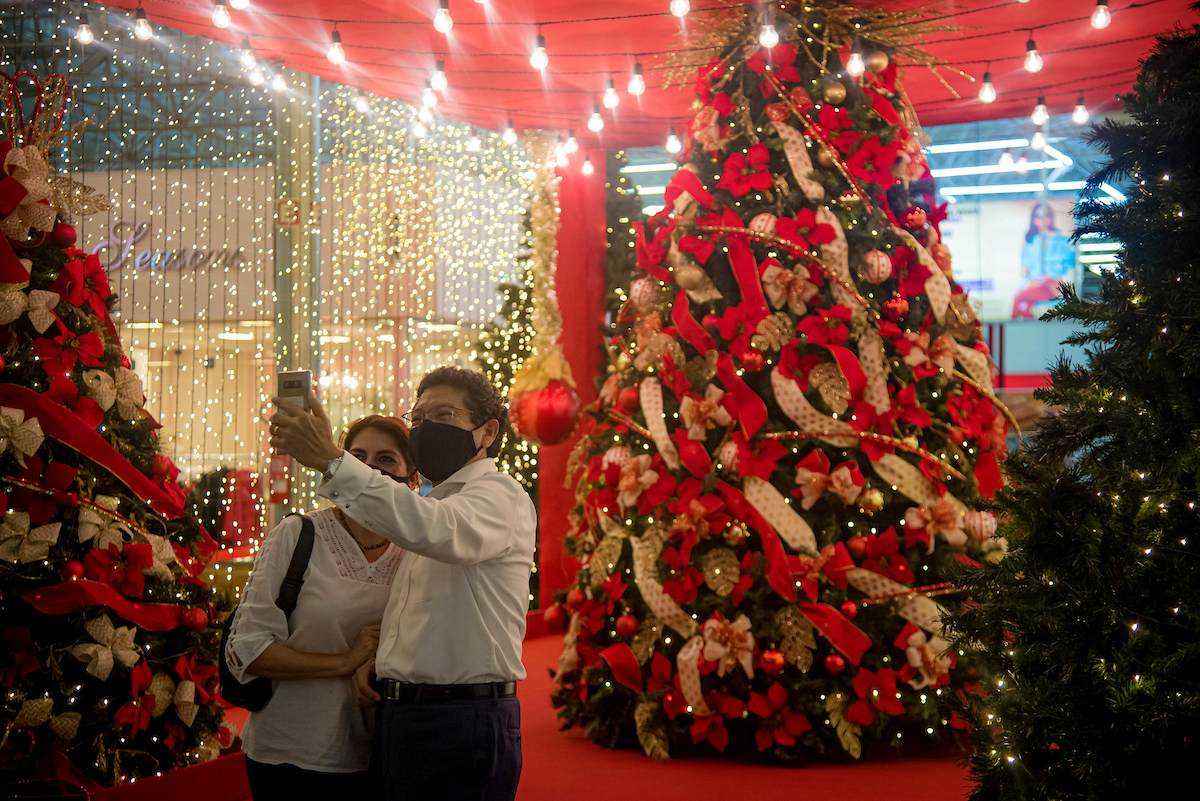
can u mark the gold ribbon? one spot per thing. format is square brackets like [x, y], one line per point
[29, 167]
[23, 436]
[111, 644]
[774, 508]
[918, 609]
[100, 524]
[796, 151]
[124, 390]
[650, 393]
[19, 545]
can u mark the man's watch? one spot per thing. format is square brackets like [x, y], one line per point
[331, 468]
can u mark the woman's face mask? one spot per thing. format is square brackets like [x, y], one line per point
[379, 450]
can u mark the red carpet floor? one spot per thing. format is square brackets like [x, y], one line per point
[563, 766]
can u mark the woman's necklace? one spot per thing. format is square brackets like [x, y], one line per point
[349, 525]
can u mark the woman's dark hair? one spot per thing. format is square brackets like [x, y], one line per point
[393, 427]
[1048, 210]
[483, 401]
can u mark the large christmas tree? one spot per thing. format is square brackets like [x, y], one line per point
[783, 475]
[1093, 622]
[107, 665]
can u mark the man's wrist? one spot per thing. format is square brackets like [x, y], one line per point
[332, 465]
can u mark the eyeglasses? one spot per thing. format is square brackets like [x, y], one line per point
[438, 414]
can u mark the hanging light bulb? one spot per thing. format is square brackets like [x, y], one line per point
[1080, 115]
[419, 130]
[1006, 159]
[425, 115]
[637, 82]
[220, 14]
[595, 122]
[336, 53]
[474, 143]
[680, 8]
[987, 90]
[673, 144]
[560, 158]
[1033, 59]
[855, 65]
[1101, 16]
[141, 25]
[428, 96]
[246, 57]
[278, 84]
[1038, 140]
[256, 76]
[239, 5]
[361, 104]
[1040, 115]
[437, 78]
[509, 137]
[83, 33]
[768, 37]
[442, 21]
[538, 58]
[587, 168]
[571, 146]
[611, 98]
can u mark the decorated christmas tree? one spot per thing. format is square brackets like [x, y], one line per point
[107, 665]
[785, 472]
[622, 214]
[1092, 624]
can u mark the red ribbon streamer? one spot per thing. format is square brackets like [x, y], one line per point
[745, 272]
[779, 578]
[685, 323]
[624, 665]
[837, 628]
[66, 427]
[687, 181]
[743, 402]
[71, 596]
[851, 368]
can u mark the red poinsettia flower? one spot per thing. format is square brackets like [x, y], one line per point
[673, 702]
[136, 714]
[661, 674]
[804, 230]
[99, 289]
[201, 673]
[682, 582]
[21, 657]
[834, 119]
[909, 409]
[782, 60]
[781, 724]
[826, 327]
[883, 557]
[710, 729]
[747, 172]
[876, 693]
[722, 103]
[749, 567]
[883, 106]
[122, 568]
[872, 162]
[758, 457]
[71, 284]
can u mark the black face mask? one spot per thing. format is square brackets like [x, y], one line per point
[397, 477]
[440, 449]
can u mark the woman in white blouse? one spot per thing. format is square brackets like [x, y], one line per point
[311, 740]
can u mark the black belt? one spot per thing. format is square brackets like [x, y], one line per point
[404, 692]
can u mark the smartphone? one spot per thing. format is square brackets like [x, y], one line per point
[295, 386]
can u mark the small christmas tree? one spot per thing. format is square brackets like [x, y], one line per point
[1092, 625]
[785, 471]
[109, 648]
[623, 215]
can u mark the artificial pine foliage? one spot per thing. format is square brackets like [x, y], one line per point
[622, 214]
[107, 667]
[790, 458]
[1092, 624]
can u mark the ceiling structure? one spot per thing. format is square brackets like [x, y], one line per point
[392, 48]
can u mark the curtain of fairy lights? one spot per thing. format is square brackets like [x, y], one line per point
[414, 231]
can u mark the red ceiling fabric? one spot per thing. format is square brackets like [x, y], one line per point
[392, 46]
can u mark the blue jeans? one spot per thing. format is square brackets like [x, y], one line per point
[448, 751]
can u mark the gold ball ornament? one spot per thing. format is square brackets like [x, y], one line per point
[871, 501]
[877, 61]
[825, 157]
[877, 267]
[834, 92]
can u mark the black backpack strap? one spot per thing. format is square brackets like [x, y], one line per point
[289, 590]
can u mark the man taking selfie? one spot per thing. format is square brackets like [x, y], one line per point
[448, 721]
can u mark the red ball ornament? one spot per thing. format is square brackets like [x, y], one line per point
[834, 664]
[195, 618]
[753, 361]
[915, 218]
[629, 400]
[63, 235]
[849, 609]
[548, 415]
[575, 598]
[72, 570]
[555, 616]
[3, 364]
[627, 626]
[771, 662]
[895, 308]
[857, 545]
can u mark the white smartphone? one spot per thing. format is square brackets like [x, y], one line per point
[295, 385]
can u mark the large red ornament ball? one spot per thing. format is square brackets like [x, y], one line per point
[3, 364]
[857, 545]
[63, 235]
[555, 616]
[72, 570]
[575, 598]
[548, 415]
[753, 361]
[771, 662]
[195, 618]
[629, 400]
[627, 626]
[895, 308]
[849, 609]
[834, 664]
[915, 218]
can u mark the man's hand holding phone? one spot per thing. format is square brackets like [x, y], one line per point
[301, 429]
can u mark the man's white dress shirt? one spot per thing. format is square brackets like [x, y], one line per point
[456, 613]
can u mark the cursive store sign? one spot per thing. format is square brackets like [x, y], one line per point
[120, 251]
